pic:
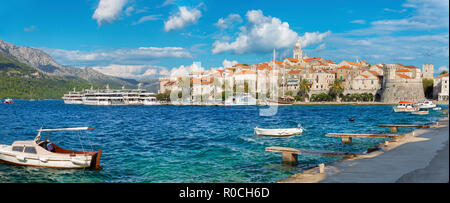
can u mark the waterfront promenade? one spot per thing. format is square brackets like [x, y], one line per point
[421, 156]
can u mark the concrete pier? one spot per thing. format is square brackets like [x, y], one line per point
[421, 156]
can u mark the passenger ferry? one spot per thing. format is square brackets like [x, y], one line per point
[110, 97]
[73, 97]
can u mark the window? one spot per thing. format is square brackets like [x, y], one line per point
[30, 150]
[17, 148]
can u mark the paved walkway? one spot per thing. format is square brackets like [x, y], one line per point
[420, 157]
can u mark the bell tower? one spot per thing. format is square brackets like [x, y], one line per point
[298, 53]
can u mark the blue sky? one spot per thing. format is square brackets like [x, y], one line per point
[148, 38]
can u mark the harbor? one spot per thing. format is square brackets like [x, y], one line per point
[399, 161]
[198, 143]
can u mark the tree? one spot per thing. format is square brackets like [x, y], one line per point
[304, 88]
[428, 87]
[336, 89]
[443, 72]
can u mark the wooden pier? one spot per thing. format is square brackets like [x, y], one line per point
[347, 137]
[394, 127]
[290, 155]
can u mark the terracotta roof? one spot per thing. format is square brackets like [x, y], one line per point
[292, 60]
[403, 76]
[374, 73]
[294, 72]
[330, 61]
[311, 59]
[352, 63]
[365, 76]
[244, 72]
[410, 66]
[345, 67]
[203, 81]
[403, 70]
[441, 76]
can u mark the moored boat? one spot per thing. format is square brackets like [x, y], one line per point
[8, 101]
[283, 132]
[404, 106]
[427, 104]
[43, 153]
[437, 108]
[420, 112]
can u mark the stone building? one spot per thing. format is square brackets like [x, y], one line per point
[441, 87]
[398, 86]
[427, 71]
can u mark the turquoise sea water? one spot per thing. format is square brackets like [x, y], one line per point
[189, 143]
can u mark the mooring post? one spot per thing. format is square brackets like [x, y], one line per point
[321, 168]
[346, 139]
[290, 158]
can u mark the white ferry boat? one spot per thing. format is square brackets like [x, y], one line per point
[108, 97]
[73, 97]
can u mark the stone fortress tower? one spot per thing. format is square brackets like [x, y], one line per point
[400, 87]
[427, 71]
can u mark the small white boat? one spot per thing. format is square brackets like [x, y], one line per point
[420, 112]
[437, 108]
[286, 132]
[8, 101]
[427, 104]
[404, 106]
[43, 153]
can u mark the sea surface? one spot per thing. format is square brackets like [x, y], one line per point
[154, 144]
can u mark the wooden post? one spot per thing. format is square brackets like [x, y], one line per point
[394, 129]
[346, 139]
[290, 158]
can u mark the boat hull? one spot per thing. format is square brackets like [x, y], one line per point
[58, 160]
[278, 132]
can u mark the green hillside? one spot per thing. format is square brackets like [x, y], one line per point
[20, 81]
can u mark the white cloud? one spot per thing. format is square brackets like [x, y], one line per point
[359, 21]
[168, 2]
[310, 38]
[183, 18]
[424, 15]
[108, 11]
[321, 47]
[147, 18]
[129, 71]
[224, 23]
[29, 29]
[228, 64]
[185, 70]
[129, 10]
[137, 56]
[443, 68]
[260, 35]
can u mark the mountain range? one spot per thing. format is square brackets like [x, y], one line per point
[27, 60]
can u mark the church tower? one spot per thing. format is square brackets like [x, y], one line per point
[298, 53]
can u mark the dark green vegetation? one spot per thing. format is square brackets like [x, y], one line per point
[21, 81]
[428, 87]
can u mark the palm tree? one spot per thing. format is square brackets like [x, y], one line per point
[304, 87]
[336, 89]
